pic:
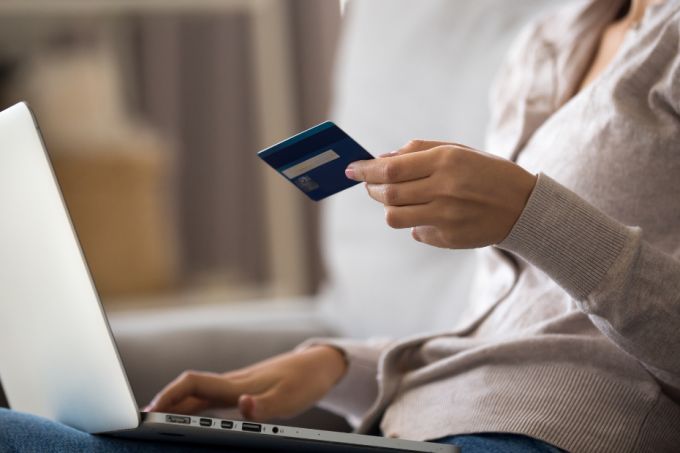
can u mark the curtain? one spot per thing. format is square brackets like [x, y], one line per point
[195, 84]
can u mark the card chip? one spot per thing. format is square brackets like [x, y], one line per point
[306, 183]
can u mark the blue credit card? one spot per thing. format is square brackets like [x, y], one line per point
[315, 160]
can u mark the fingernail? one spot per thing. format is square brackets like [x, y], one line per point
[390, 154]
[349, 173]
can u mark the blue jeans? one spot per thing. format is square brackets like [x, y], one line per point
[23, 433]
[499, 443]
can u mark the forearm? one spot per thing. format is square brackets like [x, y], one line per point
[629, 289]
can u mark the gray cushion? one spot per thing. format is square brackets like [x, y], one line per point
[157, 345]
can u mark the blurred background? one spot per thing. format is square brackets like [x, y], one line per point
[152, 112]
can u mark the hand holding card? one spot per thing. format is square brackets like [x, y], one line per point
[315, 160]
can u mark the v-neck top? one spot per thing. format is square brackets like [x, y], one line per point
[572, 335]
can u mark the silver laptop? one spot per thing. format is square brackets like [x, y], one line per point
[58, 358]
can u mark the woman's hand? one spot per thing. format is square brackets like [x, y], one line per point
[279, 387]
[450, 195]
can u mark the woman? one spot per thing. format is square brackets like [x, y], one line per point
[573, 337]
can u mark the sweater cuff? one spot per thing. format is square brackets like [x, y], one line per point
[357, 391]
[567, 238]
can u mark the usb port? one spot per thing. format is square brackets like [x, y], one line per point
[206, 422]
[226, 424]
[253, 427]
[178, 419]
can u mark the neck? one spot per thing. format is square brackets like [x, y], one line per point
[637, 10]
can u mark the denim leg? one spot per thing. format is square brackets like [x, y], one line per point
[498, 443]
[24, 433]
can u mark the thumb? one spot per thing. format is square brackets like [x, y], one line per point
[262, 407]
[246, 405]
[427, 235]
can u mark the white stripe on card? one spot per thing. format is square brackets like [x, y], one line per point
[310, 164]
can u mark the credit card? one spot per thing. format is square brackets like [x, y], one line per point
[315, 160]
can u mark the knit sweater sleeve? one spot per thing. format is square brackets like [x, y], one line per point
[358, 389]
[628, 288]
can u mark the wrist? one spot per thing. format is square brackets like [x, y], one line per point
[333, 359]
[526, 182]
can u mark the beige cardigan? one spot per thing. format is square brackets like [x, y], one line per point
[573, 332]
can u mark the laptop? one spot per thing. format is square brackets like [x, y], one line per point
[58, 358]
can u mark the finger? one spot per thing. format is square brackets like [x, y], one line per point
[419, 145]
[412, 215]
[190, 406]
[395, 169]
[419, 191]
[413, 146]
[423, 145]
[194, 384]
